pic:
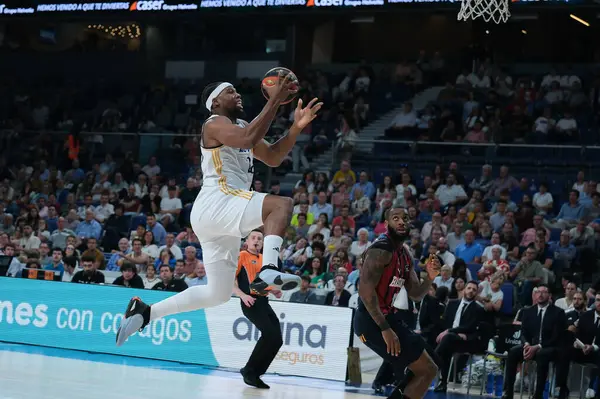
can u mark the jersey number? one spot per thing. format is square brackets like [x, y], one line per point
[250, 165]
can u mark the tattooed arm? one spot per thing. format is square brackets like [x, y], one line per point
[417, 289]
[375, 262]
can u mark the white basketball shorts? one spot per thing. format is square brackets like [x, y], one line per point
[221, 220]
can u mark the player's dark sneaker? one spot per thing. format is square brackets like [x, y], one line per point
[253, 381]
[137, 316]
[270, 276]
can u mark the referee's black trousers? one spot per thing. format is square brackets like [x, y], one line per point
[261, 314]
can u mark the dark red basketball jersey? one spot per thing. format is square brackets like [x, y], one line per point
[394, 276]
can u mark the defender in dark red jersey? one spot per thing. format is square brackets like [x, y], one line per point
[387, 282]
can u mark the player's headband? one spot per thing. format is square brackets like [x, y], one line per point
[215, 93]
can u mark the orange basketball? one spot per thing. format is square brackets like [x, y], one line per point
[272, 78]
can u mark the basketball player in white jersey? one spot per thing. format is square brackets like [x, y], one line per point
[225, 210]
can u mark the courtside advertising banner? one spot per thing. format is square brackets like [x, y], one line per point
[86, 317]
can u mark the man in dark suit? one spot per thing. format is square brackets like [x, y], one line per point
[585, 349]
[461, 318]
[542, 332]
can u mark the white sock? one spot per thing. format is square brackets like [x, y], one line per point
[271, 247]
[218, 290]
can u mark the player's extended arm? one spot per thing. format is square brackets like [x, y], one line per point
[231, 135]
[416, 288]
[274, 154]
[375, 262]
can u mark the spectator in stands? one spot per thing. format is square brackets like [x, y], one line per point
[542, 200]
[103, 211]
[493, 265]
[361, 244]
[16, 267]
[344, 219]
[343, 174]
[112, 265]
[490, 293]
[170, 208]
[503, 182]
[157, 229]
[530, 234]
[150, 278]
[566, 303]
[28, 241]
[445, 278]
[484, 182]
[190, 259]
[543, 127]
[44, 254]
[564, 253]
[305, 294]
[70, 265]
[89, 228]
[318, 276]
[129, 277]
[456, 237]
[361, 207]
[137, 256]
[470, 251]
[171, 247]
[320, 227]
[92, 250]
[339, 296]
[403, 126]
[148, 242]
[566, 129]
[364, 184]
[168, 283]
[451, 193]
[435, 223]
[526, 275]
[321, 206]
[56, 265]
[89, 274]
[487, 252]
[198, 277]
[445, 255]
[458, 288]
[570, 213]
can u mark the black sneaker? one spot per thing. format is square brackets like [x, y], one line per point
[137, 317]
[270, 276]
[253, 381]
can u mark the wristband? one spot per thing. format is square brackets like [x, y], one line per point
[384, 326]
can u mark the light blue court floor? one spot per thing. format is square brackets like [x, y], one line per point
[29, 372]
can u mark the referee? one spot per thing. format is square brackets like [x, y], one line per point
[256, 308]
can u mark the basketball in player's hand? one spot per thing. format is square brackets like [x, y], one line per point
[271, 82]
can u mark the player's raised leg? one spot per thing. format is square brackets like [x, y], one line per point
[276, 215]
[220, 264]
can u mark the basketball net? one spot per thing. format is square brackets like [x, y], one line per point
[489, 10]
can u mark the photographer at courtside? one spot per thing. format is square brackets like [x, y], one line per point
[256, 308]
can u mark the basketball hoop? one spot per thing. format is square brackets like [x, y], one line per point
[489, 10]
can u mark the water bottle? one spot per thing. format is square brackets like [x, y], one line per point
[489, 386]
[546, 389]
[499, 386]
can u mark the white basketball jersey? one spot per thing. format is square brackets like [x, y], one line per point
[231, 170]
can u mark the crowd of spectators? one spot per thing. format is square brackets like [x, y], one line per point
[489, 106]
